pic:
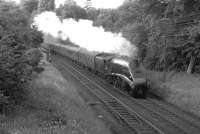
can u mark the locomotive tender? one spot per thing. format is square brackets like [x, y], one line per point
[121, 71]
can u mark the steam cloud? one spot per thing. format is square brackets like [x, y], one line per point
[84, 34]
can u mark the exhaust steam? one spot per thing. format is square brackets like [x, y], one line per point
[84, 34]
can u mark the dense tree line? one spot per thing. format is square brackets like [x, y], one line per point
[46, 5]
[71, 10]
[19, 54]
[159, 28]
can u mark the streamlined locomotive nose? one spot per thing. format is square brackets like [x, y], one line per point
[130, 71]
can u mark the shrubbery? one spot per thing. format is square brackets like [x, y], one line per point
[17, 58]
[34, 56]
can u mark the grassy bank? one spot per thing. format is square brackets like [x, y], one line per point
[52, 105]
[179, 88]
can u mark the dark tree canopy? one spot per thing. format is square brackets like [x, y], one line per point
[71, 10]
[46, 5]
[147, 23]
[29, 5]
[17, 38]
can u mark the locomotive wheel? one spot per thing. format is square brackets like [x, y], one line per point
[110, 80]
[132, 93]
[144, 92]
[126, 89]
[138, 92]
[123, 86]
[118, 83]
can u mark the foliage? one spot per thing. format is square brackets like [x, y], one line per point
[46, 5]
[137, 35]
[92, 14]
[192, 46]
[34, 56]
[155, 27]
[71, 10]
[29, 5]
[16, 39]
[107, 19]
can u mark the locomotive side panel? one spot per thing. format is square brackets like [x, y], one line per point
[66, 51]
[87, 58]
[80, 58]
[71, 52]
[103, 62]
[99, 64]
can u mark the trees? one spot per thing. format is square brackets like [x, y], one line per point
[92, 14]
[148, 24]
[16, 39]
[191, 46]
[29, 5]
[182, 36]
[71, 10]
[136, 33]
[46, 5]
[107, 18]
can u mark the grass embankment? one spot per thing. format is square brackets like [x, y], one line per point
[52, 106]
[179, 88]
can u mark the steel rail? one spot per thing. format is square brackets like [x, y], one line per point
[189, 125]
[117, 106]
[184, 126]
[193, 125]
[154, 115]
[106, 102]
[188, 117]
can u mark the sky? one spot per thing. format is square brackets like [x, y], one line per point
[95, 3]
[17, 1]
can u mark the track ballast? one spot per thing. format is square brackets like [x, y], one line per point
[141, 116]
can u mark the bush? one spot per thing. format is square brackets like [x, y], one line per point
[3, 101]
[34, 56]
[17, 40]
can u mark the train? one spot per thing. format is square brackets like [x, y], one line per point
[123, 72]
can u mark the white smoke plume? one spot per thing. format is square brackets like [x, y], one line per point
[84, 34]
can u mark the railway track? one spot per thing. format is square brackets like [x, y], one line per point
[140, 115]
[133, 120]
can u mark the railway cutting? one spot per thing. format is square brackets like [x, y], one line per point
[139, 115]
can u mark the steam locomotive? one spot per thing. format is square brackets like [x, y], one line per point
[120, 71]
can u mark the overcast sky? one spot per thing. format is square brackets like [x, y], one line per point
[95, 3]
[98, 3]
